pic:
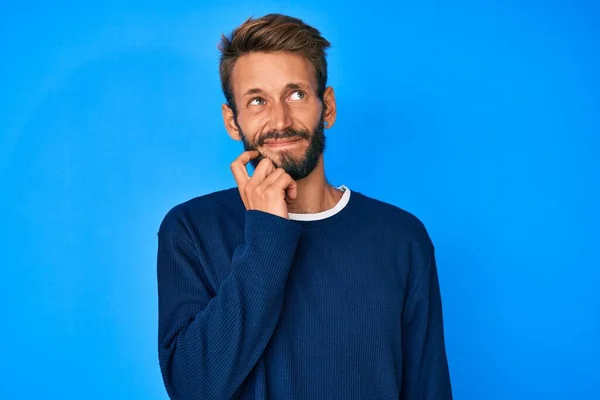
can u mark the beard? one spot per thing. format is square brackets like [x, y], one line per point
[297, 167]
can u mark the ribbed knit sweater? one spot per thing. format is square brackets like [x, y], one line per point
[255, 306]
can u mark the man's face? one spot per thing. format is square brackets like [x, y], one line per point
[278, 111]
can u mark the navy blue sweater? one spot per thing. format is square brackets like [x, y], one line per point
[255, 306]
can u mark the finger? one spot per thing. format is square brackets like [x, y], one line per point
[292, 190]
[264, 168]
[287, 184]
[240, 171]
[238, 166]
[269, 180]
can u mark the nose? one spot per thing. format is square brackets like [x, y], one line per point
[280, 118]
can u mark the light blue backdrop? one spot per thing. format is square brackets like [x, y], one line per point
[481, 119]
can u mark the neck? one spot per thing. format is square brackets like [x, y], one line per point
[315, 194]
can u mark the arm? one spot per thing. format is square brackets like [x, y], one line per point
[208, 343]
[425, 368]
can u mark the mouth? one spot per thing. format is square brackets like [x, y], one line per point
[280, 143]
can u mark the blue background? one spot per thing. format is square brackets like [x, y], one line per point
[481, 119]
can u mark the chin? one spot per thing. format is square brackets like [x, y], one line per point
[276, 156]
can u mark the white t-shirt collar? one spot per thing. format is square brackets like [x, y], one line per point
[327, 213]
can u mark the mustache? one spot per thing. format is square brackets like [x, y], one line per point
[288, 133]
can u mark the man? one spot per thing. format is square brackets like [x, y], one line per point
[286, 287]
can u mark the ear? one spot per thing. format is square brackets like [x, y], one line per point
[229, 121]
[330, 108]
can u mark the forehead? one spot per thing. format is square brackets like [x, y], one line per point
[271, 72]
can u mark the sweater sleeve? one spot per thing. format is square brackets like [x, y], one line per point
[425, 368]
[209, 342]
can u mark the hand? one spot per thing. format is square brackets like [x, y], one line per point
[268, 189]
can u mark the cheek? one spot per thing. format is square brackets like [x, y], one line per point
[250, 125]
[307, 114]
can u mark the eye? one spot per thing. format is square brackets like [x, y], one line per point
[298, 95]
[257, 101]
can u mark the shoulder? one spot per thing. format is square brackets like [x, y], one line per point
[395, 220]
[184, 217]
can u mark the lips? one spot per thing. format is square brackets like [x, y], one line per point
[281, 142]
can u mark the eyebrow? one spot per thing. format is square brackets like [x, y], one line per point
[289, 86]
